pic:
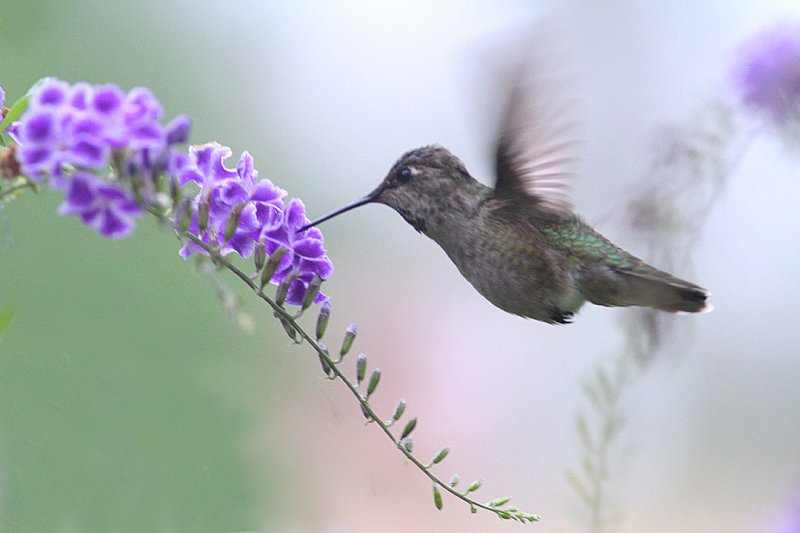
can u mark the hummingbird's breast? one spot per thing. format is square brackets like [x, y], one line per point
[509, 262]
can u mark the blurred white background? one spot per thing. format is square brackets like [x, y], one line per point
[326, 95]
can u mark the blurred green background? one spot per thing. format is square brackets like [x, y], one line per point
[130, 400]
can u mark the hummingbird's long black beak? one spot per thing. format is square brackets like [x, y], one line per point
[357, 203]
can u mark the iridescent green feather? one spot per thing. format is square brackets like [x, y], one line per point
[581, 243]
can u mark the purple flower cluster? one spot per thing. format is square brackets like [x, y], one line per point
[77, 132]
[108, 153]
[101, 205]
[236, 211]
[767, 76]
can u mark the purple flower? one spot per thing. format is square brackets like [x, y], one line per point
[226, 193]
[75, 136]
[178, 130]
[236, 210]
[308, 255]
[80, 126]
[102, 205]
[2, 97]
[71, 134]
[767, 77]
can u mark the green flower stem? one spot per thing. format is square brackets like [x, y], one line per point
[323, 354]
[27, 184]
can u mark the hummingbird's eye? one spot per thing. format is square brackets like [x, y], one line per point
[404, 175]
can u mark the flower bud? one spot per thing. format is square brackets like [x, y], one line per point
[365, 412]
[260, 255]
[174, 189]
[374, 379]
[183, 214]
[312, 291]
[213, 241]
[322, 320]
[454, 480]
[233, 221]
[361, 368]
[475, 485]
[410, 425]
[399, 409]
[202, 216]
[326, 368]
[272, 265]
[499, 502]
[161, 201]
[349, 336]
[441, 455]
[408, 444]
[288, 327]
[437, 497]
[283, 289]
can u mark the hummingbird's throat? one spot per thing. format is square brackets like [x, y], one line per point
[417, 223]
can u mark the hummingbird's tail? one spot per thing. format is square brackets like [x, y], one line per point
[649, 288]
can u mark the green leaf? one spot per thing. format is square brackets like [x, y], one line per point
[16, 111]
[584, 433]
[580, 487]
[6, 316]
[608, 390]
[591, 393]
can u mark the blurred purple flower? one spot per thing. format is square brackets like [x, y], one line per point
[101, 205]
[256, 207]
[75, 132]
[790, 521]
[178, 130]
[767, 76]
[2, 97]
[72, 135]
[83, 125]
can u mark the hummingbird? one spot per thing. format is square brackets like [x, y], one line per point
[520, 244]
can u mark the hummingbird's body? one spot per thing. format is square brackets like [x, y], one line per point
[527, 261]
[521, 244]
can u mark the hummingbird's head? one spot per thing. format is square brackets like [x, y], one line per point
[421, 184]
[424, 185]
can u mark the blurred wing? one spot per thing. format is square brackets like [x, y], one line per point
[537, 149]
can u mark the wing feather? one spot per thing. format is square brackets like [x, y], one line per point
[536, 155]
